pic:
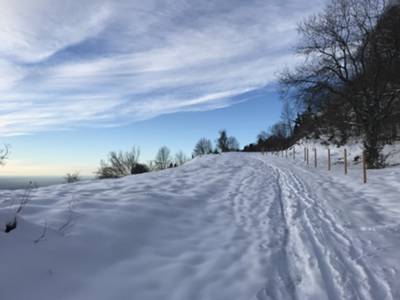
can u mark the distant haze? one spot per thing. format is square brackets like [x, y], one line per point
[22, 182]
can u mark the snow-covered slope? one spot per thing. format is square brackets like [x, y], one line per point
[232, 226]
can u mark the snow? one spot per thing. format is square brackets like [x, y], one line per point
[231, 226]
[354, 151]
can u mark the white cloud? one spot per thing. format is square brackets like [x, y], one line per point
[34, 30]
[10, 74]
[70, 63]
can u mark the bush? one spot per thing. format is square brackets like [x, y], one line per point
[72, 177]
[121, 164]
[140, 168]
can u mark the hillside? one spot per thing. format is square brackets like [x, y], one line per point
[231, 226]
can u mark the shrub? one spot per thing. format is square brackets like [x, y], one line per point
[140, 168]
[72, 177]
[121, 164]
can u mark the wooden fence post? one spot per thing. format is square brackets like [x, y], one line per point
[364, 167]
[294, 152]
[315, 157]
[345, 161]
[329, 159]
[307, 155]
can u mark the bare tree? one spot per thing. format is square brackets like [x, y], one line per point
[227, 143]
[203, 147]
[4, 153]
[233, 144]
[151, 166]
[262, 137]
[279, 130]
[163, 158]
[180, 158]
[121, 164]
[346, 62]
[288, 116]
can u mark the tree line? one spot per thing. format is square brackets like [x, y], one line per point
[120, 164]
[349, 83]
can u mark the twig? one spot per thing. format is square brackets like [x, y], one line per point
[25, 198]
[70, 221]
[43, 235]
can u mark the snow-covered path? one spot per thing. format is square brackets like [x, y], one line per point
[325, 260]
[234, 226]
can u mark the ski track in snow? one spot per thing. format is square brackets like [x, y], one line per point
[321, 250]
[232, 226]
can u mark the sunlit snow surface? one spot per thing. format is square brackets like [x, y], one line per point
[232, 226]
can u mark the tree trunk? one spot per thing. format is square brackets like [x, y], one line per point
[373, 148]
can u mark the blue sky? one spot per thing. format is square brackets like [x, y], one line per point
[81, 78]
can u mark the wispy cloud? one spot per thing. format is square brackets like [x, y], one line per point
[69, 64]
